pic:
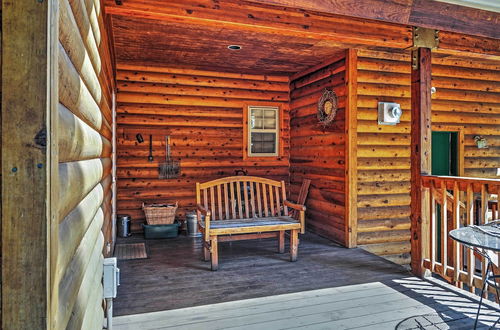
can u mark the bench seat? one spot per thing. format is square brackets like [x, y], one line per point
[244, 207]
[252, 225]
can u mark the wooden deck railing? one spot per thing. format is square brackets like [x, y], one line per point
[468, 201]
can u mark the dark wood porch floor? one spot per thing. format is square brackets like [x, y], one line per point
[174, 276]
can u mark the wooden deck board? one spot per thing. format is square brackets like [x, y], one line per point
[174, 276]
[256, 288]
[374, 305]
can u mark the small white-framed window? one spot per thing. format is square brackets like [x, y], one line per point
[263, 131]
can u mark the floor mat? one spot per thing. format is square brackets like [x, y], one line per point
[130, 251]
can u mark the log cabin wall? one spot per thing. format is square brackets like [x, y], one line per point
[467, 97]
[86, 85]
[318, 153]
[202, 112]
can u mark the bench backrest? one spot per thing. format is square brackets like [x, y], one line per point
[242, 197]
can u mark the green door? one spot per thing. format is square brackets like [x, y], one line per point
[444, 162]
[445, 153]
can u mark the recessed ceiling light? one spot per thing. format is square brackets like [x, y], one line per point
[234, 47]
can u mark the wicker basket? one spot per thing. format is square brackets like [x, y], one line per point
[159, 214]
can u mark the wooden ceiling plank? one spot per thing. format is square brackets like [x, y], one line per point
[154, 43]
[240, 16]
[276, 40]
[319, 66]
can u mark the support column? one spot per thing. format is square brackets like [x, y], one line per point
[29, 163]
[420, 153]
[351, 149]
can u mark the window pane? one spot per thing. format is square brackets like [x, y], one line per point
[264, 143]
[270, 123]
[256, 118]
[269, 114]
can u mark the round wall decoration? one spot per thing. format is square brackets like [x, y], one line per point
[327, 107]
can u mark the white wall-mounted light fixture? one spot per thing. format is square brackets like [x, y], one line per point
[389, 113]
[481, 142]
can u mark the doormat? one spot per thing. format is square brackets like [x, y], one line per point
[130, 251]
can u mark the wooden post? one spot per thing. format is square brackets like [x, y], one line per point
[29, 163]
[294, 244]
[281, 241]
[206, 251]
[214, 252]
[420, 153]
[351, 149]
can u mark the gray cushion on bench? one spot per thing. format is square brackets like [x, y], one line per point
[252, 222]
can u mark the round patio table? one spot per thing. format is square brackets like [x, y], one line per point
[481, 239]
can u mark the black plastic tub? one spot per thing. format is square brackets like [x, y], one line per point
[161, 231]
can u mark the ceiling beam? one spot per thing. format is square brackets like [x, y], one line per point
[424, 13]
[275, 17]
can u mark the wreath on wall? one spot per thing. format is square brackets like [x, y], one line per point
[327, 107]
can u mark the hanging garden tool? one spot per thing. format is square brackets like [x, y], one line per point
[150, 157]
[171, 169]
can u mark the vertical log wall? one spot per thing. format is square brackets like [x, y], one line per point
[28, 153]
[85, 119]
[202, 112]
[317, 152]
[467, 97]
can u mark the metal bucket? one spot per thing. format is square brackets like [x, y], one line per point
[192, 224]
[123, 224]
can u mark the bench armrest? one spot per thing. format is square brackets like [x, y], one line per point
[302, 214]
[203, 210]
[206, 226]
[295, 206]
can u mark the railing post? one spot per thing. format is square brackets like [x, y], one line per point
[457, 261]
[420, 154]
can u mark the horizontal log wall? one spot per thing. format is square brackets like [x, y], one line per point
[84, 134]
[317, 152]
[202, 111]
[467, 97]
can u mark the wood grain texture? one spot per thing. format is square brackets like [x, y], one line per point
[253, 271]
[393, 10]
[466, 100]
[351, 148]
[215, 228]
[174, 46]
[287, 38]
[85, 131]
[459, 19]
[318, 153]
[445, 255]
[421, 148]
[206, 132]
[431, 14]
[195, 34]
[29, 163]
[383, 304]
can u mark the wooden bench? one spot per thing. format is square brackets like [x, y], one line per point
[246, 207]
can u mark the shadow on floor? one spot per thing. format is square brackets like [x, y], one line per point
[451, 308]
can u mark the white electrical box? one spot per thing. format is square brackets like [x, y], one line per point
[111, 277]
[389, 113]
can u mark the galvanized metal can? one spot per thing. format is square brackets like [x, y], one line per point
[192, 224]
[123, 225]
